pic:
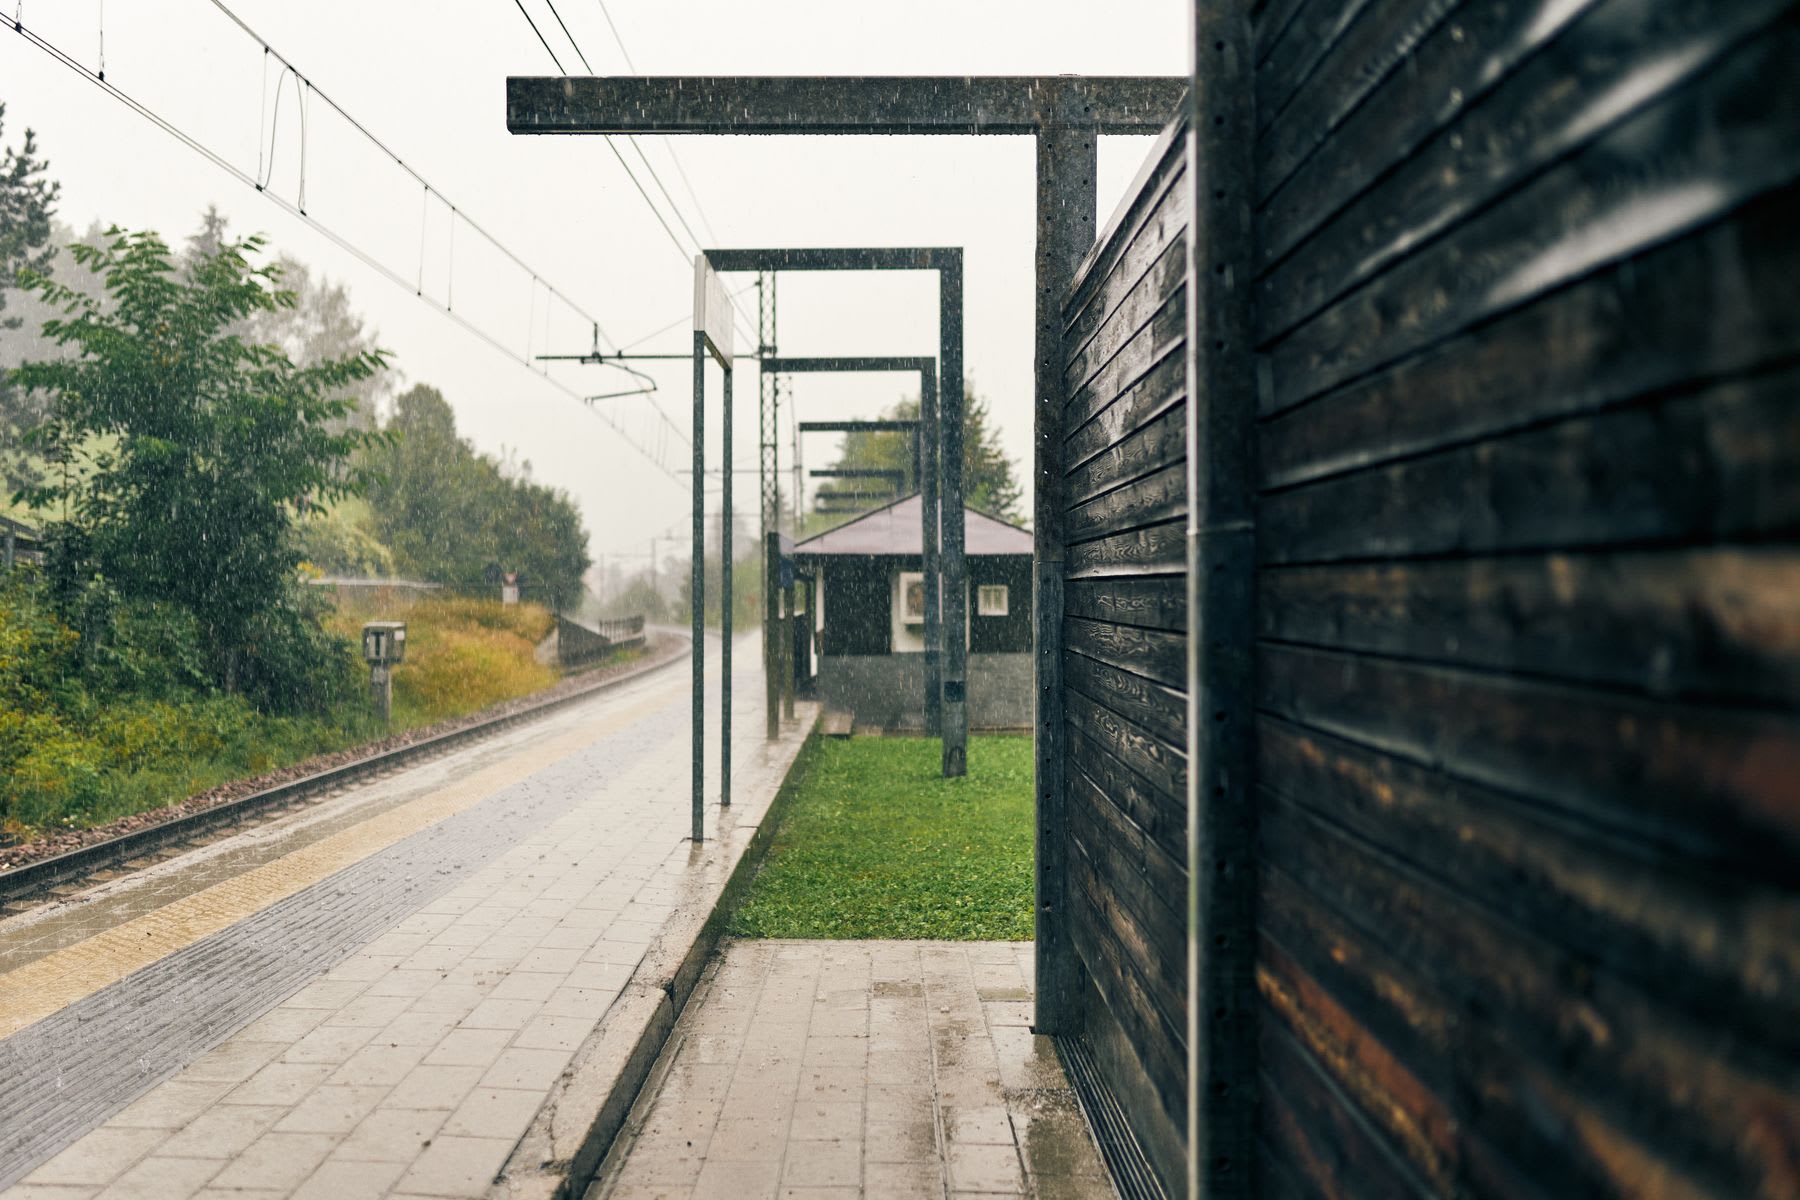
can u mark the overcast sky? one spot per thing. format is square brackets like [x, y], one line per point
[428, 79]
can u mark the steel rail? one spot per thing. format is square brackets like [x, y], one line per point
[33, 879]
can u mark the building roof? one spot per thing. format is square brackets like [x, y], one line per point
[894, 529]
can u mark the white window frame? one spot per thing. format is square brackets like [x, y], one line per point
[985, 595]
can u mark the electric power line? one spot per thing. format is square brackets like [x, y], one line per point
[361, 254]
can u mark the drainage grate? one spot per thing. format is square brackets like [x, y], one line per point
[1119, 1147]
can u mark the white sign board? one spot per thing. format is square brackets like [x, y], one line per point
[712, 309]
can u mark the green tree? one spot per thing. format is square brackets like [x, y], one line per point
[453, 515]
[189, 451]
[27, 203]
[988, 481]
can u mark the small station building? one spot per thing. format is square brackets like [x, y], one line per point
[866, 655]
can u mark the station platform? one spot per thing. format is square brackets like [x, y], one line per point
[419, 987]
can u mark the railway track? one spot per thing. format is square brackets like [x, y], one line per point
[34, 883]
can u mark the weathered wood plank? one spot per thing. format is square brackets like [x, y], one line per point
[1159, 389]
[1148, 935]
[1159, 763]
[1135, 361]
[1712, 465]
[1719, 303]
[1156, 550]
[1151, 601]
[1154, 654]
[1463, 126]
[1721, 141]
[1153, 881]
[1158, 280]
[1512, 1026]
[1150, 216]
[1159, 709]
[1340, 1141]
[1383, 37]
[1714, 623]
[1721, 947]
[1147, 449]
[1291, 60]
[1152, 500]
[1713, 784]
[1162, 817]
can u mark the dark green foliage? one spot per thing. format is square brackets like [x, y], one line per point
[875, 843]
[454, 516]
[186, 451]
[988, 482]
[27, 202]
[121, 716]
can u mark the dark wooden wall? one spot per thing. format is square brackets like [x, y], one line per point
[1527, 705]
[1124, 664]
[1527, 314]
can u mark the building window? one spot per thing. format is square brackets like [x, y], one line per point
[912, 597]
[990, 600]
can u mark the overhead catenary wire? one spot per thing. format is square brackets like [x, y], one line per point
[297, 207]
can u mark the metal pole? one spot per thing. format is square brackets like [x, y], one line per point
[929, 564]
[697, 590]
[725, 532]
[955, 570]
[1066, 228]
[771, 622]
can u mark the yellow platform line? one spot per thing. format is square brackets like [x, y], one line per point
[47, 985]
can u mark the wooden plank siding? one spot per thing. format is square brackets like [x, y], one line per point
[1124, 647]
[1527, 310]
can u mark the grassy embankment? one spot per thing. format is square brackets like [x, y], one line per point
[85, 742]
[874, 843]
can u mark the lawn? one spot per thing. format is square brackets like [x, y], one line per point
[873, 843]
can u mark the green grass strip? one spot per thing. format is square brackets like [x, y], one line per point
[874, 843]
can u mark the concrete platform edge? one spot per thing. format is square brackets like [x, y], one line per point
[568, 1141]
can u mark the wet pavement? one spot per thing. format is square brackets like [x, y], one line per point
[379, 994]
[818, 1070]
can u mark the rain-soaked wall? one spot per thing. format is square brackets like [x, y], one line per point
[1124, 660]
[1527, 752]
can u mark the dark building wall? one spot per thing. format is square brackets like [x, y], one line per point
[1528, 306]
[858, 604]
[887, 691]
[1010, 634]
[1526, 309]
[1124, 662]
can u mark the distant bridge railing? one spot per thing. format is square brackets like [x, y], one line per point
[578, 644]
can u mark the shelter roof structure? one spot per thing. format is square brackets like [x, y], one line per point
[894, 529]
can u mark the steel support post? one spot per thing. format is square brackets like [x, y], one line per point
[787, 652]
[1067, 217]
[725, 600]
[954, 720]
[1221, 609]
[697, 591]
[928, 563]
[768, 468]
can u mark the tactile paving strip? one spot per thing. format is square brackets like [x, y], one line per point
[69, 1072]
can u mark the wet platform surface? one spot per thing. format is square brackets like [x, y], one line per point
[819, 1070]
[377, 995]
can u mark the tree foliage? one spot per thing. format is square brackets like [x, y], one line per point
[455, 516]
[184, 452]
[988, 481]
[27, 204]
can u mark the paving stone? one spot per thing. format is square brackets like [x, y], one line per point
[339, 1180]
[520, 1068]
[222, 1132]
[455, 1166]
[379, 1064]
[279, 1083]
[328, 1044]
[331, 1110]
[822, 1164]
[98, 1158]
[172, 1104]
[280, 1161]
[469, 1048]
[391, 1135]
[495, 1113]
[976, 1167]
[434, 1087]
[162, 1179]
